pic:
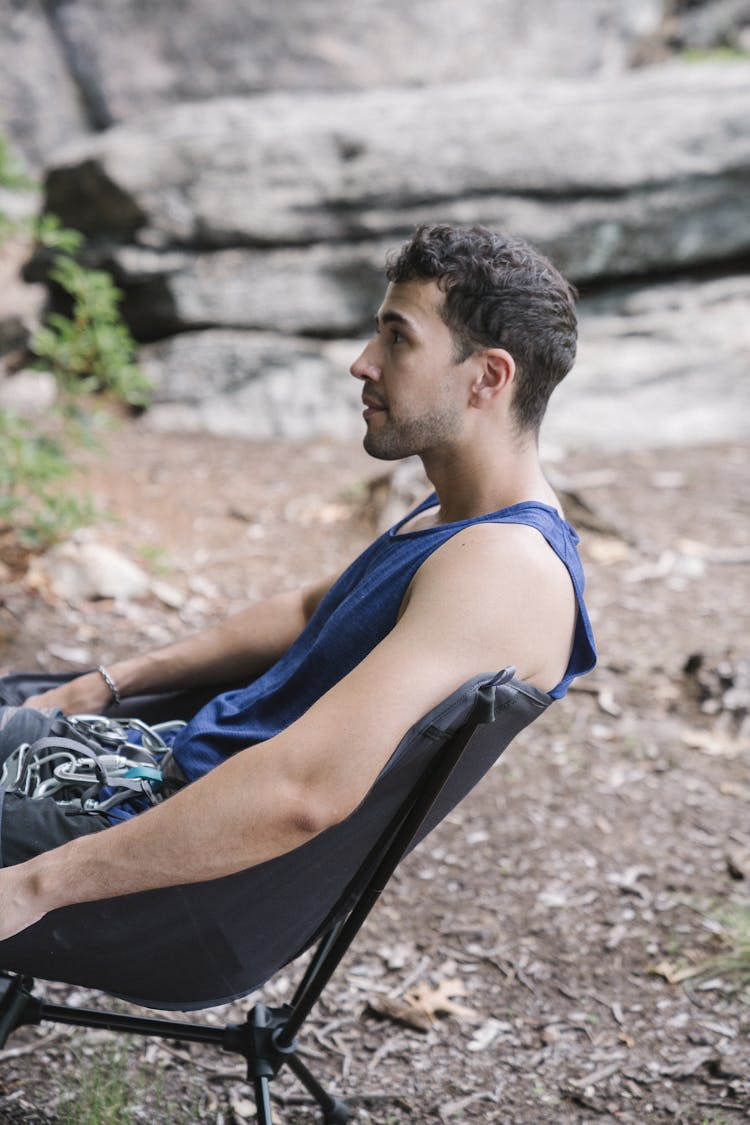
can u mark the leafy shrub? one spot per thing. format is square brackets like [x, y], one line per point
[89, 352]
[92, 350]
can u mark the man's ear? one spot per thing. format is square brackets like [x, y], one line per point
[495, 375]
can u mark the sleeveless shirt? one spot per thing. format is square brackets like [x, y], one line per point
[357, 612]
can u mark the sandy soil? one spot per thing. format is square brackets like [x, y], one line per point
[568, 913]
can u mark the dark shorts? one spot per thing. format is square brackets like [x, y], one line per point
[28, 827]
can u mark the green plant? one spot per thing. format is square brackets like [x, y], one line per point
[102, 1090]
[12, 178]
[157, 558]
[89, 352]
[734, 959]
[34, 467]
[92, 350]
[729, 52]
[732, 925]
[11, 174]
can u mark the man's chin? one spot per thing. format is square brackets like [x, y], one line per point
[381, 450]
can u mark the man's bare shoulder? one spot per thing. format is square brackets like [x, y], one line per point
[489, 553]
[499, 590]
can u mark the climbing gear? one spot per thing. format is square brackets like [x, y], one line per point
[92, 763]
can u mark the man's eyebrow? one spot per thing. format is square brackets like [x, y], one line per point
[390, 316]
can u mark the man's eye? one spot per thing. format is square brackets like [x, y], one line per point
[396, 337]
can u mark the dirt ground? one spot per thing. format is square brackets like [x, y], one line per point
[547, 955]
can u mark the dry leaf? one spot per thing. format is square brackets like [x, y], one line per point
[420, 1007]
[243, 1109]
[734, 789]
[437, 1001]
[672, 974]
[607, 550]
[738, 863]
[715, 743]
[400, 1011]
[608, 704]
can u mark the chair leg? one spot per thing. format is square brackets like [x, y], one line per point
[263, 1100]
[17, 1004]
[258, 1041]
[335, 1112]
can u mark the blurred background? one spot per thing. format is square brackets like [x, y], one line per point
[196, 198]
[241, 168]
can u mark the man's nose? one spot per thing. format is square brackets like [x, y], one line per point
[365, 366]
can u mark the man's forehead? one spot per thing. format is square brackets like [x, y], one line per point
[412, 302]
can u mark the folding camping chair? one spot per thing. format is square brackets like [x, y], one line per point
[195, 946]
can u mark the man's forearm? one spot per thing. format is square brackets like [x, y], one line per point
[243, 813]
[237, 649]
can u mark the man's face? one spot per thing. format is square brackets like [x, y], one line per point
[413, 393]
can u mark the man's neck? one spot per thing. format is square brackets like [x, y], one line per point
[472, 482]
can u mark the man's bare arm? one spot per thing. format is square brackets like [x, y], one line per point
[480, 603]
[236, 650]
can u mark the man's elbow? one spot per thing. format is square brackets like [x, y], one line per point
[313, 808]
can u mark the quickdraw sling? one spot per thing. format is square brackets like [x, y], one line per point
[88, 762]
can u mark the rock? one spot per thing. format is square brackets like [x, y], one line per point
[648, 172]
[255, 385]
[658, 365]
[168, 594]
[324, 290]
[248, 233]
[22, 305]
[37, 93]
[68, 67]
[71, 654]
[28, 392]
[708, 25]
[82, 569]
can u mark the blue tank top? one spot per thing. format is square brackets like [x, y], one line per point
[358, 611]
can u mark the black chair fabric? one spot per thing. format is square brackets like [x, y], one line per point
[198, 945]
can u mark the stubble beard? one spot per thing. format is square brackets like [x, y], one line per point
[393, 441]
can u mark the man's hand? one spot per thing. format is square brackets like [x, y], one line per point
[87, 694]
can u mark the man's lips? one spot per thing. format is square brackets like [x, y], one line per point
[372, 406]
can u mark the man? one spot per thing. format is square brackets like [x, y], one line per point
[474, 332]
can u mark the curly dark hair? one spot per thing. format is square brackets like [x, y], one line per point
[499, 292]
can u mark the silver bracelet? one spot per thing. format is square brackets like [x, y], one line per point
[116, 697]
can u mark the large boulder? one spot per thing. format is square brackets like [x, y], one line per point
[658, 365]
[254, 385]
[662, 364]
[69, 66]
[39, 105]
[323, 289]
[647, 172]
[249, 235]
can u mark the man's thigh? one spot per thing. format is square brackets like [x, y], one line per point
[23, 724]
[29, 826]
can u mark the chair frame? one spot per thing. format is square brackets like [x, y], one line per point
[268, 1038]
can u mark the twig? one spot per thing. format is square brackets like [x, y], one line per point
[216, 1071]
[404, 985]
[597, 1075]
[385, 1049]
[16, 1052]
